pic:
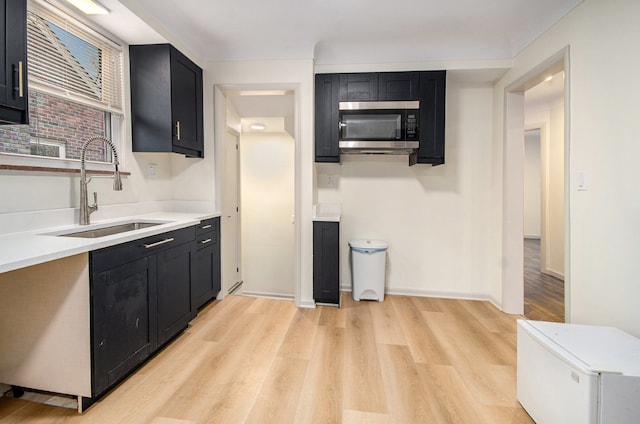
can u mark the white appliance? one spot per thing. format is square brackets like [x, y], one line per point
[569, 373]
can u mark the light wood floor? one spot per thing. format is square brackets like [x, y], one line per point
[252, 360]
[543, 294]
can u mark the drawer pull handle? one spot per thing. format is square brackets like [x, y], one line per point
[158, 243]
[205, 241]
[205, 227]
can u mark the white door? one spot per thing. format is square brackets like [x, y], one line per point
[230, 222]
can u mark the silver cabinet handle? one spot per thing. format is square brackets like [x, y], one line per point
[20, 79]
[205, 241]
[158, 243]
[178, 130]
[205, 227]
[341, 125]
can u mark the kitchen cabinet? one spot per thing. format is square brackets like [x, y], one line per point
[398, 86]
[205, 278]
[140, 299]
[326, 112]
[432, 114]
[13, 70]
[166, 101]
[174, 291]
[426, 86]
[326, 262]
[360, 87]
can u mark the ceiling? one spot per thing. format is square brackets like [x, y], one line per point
[352, 31]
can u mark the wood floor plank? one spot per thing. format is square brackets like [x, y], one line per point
[386, 326]
[322, 392]
[425, 347]
[359, 417]
[404, 360]
[363, 385]
[299, 340]
[543, 294]
[409, 397]
[284, 383]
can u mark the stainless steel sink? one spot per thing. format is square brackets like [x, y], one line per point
[113, 229]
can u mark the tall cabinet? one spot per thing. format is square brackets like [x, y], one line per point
[13, 69]
[166, 101]
[326, 262]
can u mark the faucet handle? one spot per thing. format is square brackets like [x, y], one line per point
[94, 207]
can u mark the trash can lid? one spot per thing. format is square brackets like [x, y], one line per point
[369, 244]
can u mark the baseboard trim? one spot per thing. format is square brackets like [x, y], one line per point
[441, 295]
[553, 273]
[307, 304]
[267, 295]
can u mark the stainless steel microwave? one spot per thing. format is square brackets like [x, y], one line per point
[379, 127]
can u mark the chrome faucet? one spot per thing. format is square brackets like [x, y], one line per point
[85, 209]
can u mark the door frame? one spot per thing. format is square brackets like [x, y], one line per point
[226, 286]
[220, 120]
[512, 183]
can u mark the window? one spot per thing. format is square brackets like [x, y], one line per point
[75, 90]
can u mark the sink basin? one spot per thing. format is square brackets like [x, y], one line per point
[113, 229]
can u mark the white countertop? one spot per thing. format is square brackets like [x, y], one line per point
[26, 248]
[327, 212]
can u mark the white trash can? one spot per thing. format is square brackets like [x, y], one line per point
[368, 260]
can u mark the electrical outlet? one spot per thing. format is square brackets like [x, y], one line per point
[152, 170]
[331, 180]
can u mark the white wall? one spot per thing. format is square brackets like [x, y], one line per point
[267, 206]
[605, 219]
[433, 218]
[287, 74]
[549, 118]
[532, 184]
[34, 191]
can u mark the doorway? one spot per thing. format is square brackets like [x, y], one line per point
[262, 185]
[543, 288]
[554, 205]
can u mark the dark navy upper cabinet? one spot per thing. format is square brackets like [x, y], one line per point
[426, 86]
[13, 66]
[432, 113]
[326, 122]
[361, 87]
[398, 86]
[166, 101]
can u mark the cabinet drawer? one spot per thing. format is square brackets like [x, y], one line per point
[206, 226]
[126, 252]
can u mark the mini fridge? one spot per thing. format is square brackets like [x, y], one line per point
[569, 373]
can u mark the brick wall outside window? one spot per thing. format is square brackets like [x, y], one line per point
[53, 119]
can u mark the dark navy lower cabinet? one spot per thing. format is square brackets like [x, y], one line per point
[205, 278]
[326, 262]
[140, 299]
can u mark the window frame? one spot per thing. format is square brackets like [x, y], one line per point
[34, 162]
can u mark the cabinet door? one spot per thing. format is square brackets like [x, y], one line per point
[13, 69]
[358, 87]
[186, 104]
[398, 86]
[432, 112]
[122, 317]
[174, 291]
[326, 262]
[205, 277]
[326, 118]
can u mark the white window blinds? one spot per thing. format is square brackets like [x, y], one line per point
[72, 60]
